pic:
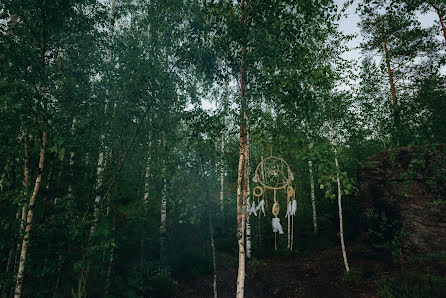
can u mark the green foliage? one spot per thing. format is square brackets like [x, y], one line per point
[414, 285]
[423, 278]
[127, 84]
[386, 234]
[353, 277]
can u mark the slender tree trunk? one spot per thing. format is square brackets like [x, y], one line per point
[211, 234]
[289, 225]
[222, 169]
[242, 187]
[147, 173]
[25, 184]
[390, 73]
[240, 223]
[146, 193]
[396, 115]
[163, 248]
[29, 219]
[146, 182]
[102, 153]
[70, 185]
[110, 262]
[248, 197]
[440, 17]
[313, 197]
[103, 149]
[341, 223]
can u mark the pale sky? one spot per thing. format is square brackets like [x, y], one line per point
[349, 25]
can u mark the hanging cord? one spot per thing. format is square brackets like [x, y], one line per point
[292, 222]
[276, 221]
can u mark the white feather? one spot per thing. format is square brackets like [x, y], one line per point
[261, 206]
[288, 210]
[252, 209]
[294, 207]
[277, 226]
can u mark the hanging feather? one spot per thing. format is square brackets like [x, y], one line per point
[252, 209]
[276, 225]
[261, 207]
[288, 210]
[294, 207]
[255, 178]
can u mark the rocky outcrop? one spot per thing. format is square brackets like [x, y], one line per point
[409, 185]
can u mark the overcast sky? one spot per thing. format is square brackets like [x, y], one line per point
[349, 25]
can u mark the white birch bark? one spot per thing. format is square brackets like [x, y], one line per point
[19, 244]
[70, 186]
[289, 226]
[147, 173]
[25, 183]
[103, 149]
[341, 223]
[242, 189]
[292, 232]
[248, 224]
[240, 230]
[211, 234]
[222, 169]
[29, 219]
[313, 197]
[146, 182]
[110, 262]
[163, 205]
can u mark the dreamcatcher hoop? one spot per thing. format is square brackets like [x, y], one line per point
[277, 173]
[274, 173]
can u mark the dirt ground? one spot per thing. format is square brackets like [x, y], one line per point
[321, 274]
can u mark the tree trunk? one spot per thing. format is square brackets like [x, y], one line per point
[390, 73]
[29, 219]
[242, 174]
[248, 197]
[222, 169]
[440, 17]
[341, 223]
[70, 185]
[110, 261]
[211, 234]
[103, 149]
[163, 248]
[313, 197]
[146, 181]
[25, 184]
[289, 226]
[240, 223]
[149, 160]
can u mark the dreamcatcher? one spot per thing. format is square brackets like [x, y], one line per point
[274, 173]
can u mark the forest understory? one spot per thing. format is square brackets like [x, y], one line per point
[319, 274]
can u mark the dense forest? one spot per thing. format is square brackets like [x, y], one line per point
[166, 148]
